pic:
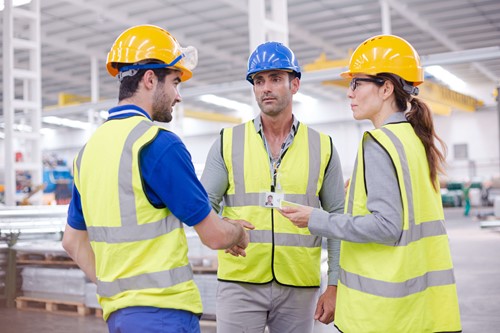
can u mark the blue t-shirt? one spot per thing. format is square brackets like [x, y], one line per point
[168, 174]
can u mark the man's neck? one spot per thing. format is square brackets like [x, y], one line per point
[136, 101]
[276, 127]
[276, 131]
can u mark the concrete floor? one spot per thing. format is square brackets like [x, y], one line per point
[476, 255]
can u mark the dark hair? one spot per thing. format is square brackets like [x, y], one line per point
[129, 84]
[292, 75]
[420, 118]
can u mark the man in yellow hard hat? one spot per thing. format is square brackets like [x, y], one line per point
[135, 186]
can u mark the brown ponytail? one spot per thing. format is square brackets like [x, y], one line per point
[420, 118]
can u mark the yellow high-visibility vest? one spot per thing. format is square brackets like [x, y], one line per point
[278, 250]
[408, 286]
[140, 250]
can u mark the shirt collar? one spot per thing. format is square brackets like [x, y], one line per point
[258, 125]
[125, 111]
[397, 117]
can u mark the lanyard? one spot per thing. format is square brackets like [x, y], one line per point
[275, 164]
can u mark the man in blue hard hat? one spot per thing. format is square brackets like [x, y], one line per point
[274, 155]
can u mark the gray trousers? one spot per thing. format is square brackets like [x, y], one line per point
[248, 308]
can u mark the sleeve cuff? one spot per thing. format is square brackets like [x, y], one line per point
[333, 278]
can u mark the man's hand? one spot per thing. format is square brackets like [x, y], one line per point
[239, 248]
[325, 310]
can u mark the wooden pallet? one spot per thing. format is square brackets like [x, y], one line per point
[66, 307]
[97, 312]
[44, 259]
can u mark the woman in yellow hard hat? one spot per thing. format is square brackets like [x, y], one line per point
[396, 270]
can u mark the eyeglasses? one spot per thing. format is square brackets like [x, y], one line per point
[355, 81]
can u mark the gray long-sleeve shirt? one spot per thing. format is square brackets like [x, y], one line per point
[385, 222]
[331, 195]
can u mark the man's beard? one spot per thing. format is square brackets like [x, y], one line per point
[161, 109]
[275, 109]
[162, 115]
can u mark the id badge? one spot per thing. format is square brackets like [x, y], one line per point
[272, 199]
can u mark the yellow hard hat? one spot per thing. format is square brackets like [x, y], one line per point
[148, 42]
[386, 54]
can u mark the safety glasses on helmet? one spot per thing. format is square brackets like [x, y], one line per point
[355, 81]
[189, 57]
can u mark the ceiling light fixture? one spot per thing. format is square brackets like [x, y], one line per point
[66, 122]
[227, 103]
[303, 98]
[451, 80]
[19, 127]
[15, 3]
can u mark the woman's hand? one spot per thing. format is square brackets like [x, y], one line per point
[299, 215]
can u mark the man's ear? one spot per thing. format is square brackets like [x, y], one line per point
[149, 78]
[295, 85]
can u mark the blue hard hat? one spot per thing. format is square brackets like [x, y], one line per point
[271, 56]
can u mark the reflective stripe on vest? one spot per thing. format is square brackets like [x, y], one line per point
[399, 289]
[266, 236]
[412, 234]
[131, 231]
[163, 279]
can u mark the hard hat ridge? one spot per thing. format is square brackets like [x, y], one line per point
[141, 45]
[386, 54]
[272, 56]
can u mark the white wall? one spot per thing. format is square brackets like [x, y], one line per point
[479, 130]
[65, 143]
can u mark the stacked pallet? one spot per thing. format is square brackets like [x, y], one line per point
[49, 259]
[54, 303]
[50, 281]
[56, 290]
[91, 298]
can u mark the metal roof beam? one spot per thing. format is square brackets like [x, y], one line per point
[125, 19]
[72, 47]
[461, 56]
[295, 31]
[424, 25]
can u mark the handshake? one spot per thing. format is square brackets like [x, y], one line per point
[242, 240]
